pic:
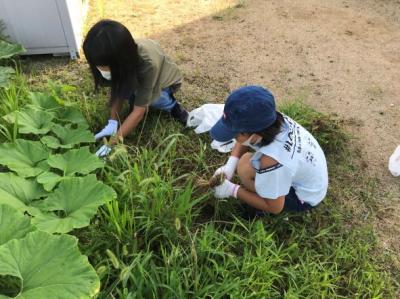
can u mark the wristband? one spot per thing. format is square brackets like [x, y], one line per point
[235, 190]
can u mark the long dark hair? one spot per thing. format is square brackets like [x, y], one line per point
[109, 43]
[268, 135]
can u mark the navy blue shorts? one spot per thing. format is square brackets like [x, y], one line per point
[292, 204]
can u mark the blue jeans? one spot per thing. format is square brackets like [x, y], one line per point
[165, 102]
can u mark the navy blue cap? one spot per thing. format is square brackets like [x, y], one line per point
[248, 109]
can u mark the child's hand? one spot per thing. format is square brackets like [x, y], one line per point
[229, 168]
[226, 189]
[110, 129]
[103, 151]
[114, 140]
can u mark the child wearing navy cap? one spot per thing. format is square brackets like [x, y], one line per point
[288, 170]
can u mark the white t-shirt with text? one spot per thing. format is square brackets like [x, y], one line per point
[301, 165]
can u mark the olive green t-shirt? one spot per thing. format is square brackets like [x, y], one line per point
[156, 71]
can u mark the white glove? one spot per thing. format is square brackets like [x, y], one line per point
[110, 129]
[394, 162]
[103, 151]
[226, 189]
[229, 168]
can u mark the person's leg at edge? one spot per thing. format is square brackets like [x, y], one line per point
[247, 175]
[167, 102]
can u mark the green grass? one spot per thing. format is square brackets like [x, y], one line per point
[163, 238]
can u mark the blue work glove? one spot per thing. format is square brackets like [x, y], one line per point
[103, 151]
[110, 129]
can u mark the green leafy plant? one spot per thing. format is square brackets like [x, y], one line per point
[80, 161]
[19, 192]
[34, 263]
[8, 50]
[76, 161]
[48, 266]
[67, 137]
[5, 74]
[64, 112]
[13, 224]
[27, 158]
[72, 204]
[31, 121]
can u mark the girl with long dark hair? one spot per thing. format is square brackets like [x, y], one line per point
[139, 72]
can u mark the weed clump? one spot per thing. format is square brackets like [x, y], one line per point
[214, 181]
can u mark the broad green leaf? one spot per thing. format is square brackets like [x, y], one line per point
[75, 201]
[25, 157]
[5, 74]
[31, 121]
[19, 192]
[53, 142]
[49, 266]
[49, 180]
[44, 101]
[75, 161]
[13, 224]
[64, 113]
[71, 114]
[67, 137]
[8, 50]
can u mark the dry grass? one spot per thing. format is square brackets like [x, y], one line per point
[148, 18]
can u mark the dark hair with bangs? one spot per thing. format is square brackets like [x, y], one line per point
[109, 43]
[268, 135]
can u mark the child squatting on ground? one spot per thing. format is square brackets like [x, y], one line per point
[137, 70]
[288, 170]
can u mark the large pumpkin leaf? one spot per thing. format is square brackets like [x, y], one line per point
[71, 114]
[75, 161]
[5, 74]
[8, 50]
[19, 192]
[49, 180]
[67, 137]
[13, 224]
[49, 266]
[25, 157]
[64, 113]
[44, 101]
[74, 202]
[31, 120]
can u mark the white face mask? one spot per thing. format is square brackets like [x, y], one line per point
[254, 145]
[106, 74]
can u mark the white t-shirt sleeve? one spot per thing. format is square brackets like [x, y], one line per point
[274, 181]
